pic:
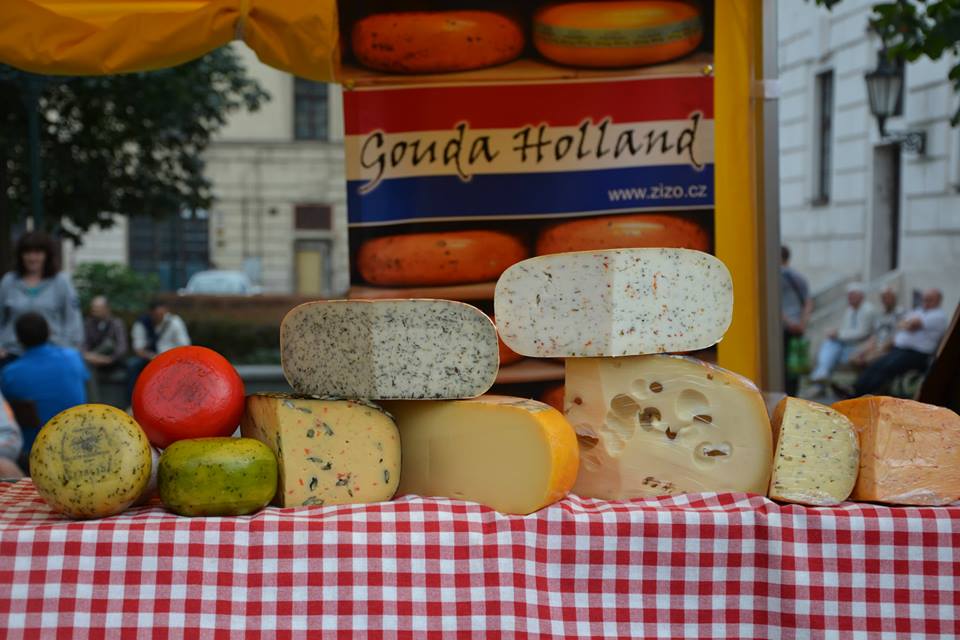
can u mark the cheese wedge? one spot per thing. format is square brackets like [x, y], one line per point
[662, 425]
[329, 451]
[910, 451]
[614, 303]
[511, 454]
[389, 349]
[817, 454]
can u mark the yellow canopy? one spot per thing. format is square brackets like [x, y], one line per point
[97, 37]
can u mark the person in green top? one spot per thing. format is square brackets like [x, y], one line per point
[37, 284]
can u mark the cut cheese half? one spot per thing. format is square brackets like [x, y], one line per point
[389, 349]
[910, 451]
[329, 451]
[664, 425]
[614, 303]
[817, 454]
[511, 454]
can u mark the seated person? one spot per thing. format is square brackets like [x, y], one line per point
[916, 340]
[104, 342]
[856, 327]
[11, 442]
[153, 333]
[52, 377]
[881, 341]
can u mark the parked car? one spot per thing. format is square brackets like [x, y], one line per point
[220, 282]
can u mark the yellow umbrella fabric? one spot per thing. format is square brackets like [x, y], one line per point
[98, 37]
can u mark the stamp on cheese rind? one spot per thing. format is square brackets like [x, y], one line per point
[389, 349]
[620, 302]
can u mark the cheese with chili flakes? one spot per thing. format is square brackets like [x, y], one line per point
[909, 451]
[329, 451]
[389, 349]
[817, 454]
[619, 302]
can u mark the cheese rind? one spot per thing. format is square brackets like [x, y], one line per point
[817, 454]
[389, 349]
[910, 451]
[663, 425]
[329, 451]
[511, 454]
[619, 302]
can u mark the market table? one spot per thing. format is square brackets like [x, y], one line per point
[703, 565]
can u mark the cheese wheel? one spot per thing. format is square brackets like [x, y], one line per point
[507, 355]
[622, 232]
[91, 461]
[436, 41]
[511, 454]
[553, 397]
[439, 258]
[622, 33]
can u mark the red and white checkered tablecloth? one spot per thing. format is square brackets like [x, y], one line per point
[698, 566]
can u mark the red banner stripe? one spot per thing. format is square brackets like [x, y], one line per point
[506, 106]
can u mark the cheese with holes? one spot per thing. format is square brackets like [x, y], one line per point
[511, 454]
[389, 349]
[662, 425]
[329, 451]
[817, 454]
[909, 451]
[618, 302]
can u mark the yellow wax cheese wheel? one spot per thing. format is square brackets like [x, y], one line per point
[621, 33]
[91, 461]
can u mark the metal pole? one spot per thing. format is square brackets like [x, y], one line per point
[31, 98]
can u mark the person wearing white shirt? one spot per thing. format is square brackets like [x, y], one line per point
[859, 319]
[152, 334]
[880, 343]
[916, 340]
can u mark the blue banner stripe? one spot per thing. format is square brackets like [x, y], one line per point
[406, 199]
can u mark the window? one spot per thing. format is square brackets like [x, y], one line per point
[310, 110]
[312, 217]
[824, 137]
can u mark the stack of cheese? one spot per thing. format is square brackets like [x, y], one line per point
[424, 362]
[648, 423]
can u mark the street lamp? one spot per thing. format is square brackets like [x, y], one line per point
[884, 85]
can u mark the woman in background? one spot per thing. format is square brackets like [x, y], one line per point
[36, 284]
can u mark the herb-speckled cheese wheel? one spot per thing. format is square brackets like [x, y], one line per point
[436, 41]
[816, 455]
[618, 33]
[622, 232]
[439, 258]
[389, 349]
[329, 451]
[217, 476]
[91, 461]
[620, 302]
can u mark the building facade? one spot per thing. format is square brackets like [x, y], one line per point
[854, 205]
[280, 200]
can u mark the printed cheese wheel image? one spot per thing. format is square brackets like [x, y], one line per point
[623, 232]
[622, 33]
[436, 41]
[439, 258]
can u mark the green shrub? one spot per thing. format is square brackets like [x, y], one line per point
[128, 291]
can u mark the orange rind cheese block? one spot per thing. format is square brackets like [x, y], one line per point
[438, 258]
[620, 33]
[622, 232]
[511, 454]
[436, 41]
[909, 451]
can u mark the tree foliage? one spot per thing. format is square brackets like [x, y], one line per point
[914, 29]
[128, 143]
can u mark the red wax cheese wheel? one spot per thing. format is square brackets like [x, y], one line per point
[439, 258]
[623, 33]
[623, 232]
[553, 397]
[436, 41]
[188, 392]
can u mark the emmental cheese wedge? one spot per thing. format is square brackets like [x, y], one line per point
[389, 349]
[510, 454]
[817, 454]
[909, 451]
[617, 302]
[664, 425]
[329, 451]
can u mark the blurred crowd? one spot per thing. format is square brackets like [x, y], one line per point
[52, 358]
